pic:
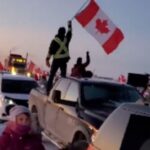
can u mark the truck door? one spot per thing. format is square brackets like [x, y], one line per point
[52, 108]
[51, 112]
[66, 119]
[65, 125]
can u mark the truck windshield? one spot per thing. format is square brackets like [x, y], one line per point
[17, 86]
[102, 92]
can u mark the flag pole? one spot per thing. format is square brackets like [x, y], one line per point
[80, 9]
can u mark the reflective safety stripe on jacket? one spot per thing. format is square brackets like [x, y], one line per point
[62, 47]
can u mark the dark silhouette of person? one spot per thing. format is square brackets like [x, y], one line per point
[59, 48]
[79, 69]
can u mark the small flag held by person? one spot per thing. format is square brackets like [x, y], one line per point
[98, 24]
[1, 66]
[31, 66]
[122, 79]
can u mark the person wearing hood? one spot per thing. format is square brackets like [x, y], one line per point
[59, 49]
[18, 134]
[79, 69]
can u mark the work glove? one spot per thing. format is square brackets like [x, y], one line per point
[69, 24]
[47, 62]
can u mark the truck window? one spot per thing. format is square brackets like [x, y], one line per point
[63, 86]
[72, 92]
[97, 93]
[133, 94]
[17, 86]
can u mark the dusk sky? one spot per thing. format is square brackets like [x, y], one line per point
[30, 25]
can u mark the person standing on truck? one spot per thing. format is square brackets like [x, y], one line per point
[79, 69]
[18, 133]
[59, 48]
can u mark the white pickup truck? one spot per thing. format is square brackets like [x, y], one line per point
[58, 119]
[76, 107]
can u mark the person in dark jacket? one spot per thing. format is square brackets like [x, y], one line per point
[79, 69]
[18, 134]
[59, 48]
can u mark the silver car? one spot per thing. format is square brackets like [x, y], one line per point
[14, 90]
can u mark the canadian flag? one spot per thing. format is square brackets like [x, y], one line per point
[98, 24]
[38, 70]
[122, 79]
[1, 66]
[31, 66]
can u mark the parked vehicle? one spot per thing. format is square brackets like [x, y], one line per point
[75, 107]
[16, 64]
[14, 89]
[126, 128]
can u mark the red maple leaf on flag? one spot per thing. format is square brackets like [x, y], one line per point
[101, 26]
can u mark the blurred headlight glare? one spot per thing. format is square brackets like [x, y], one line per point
[9, 101]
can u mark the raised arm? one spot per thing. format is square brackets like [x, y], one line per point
[69, 32]
[87, 59]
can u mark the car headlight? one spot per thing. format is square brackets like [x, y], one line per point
[28, 74]
[9, 101]
[93, 136]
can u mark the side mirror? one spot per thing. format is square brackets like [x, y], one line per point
[78, 108]
[56, 96]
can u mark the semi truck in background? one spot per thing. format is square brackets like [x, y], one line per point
[16, 64]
